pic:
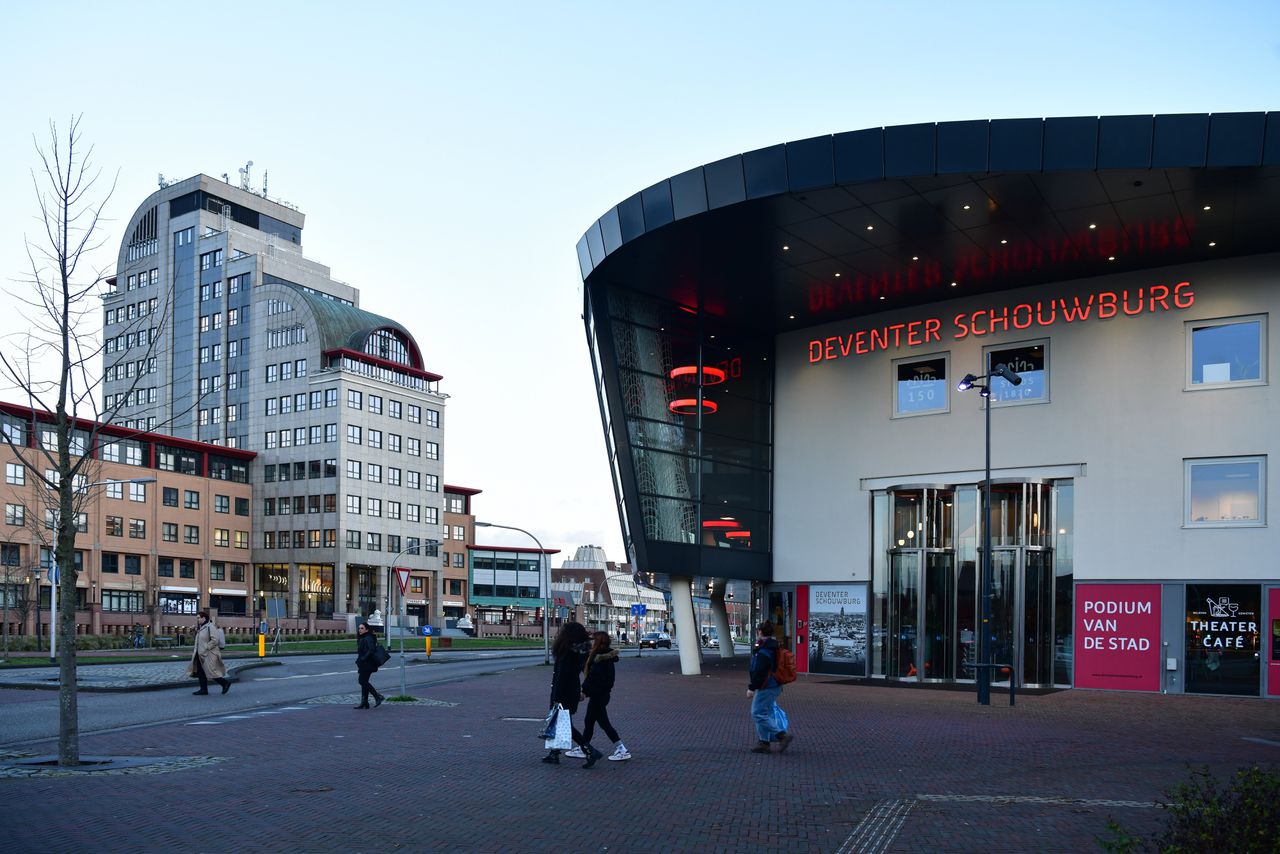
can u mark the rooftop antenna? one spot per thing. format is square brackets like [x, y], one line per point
[264, 182]
[225, 179]
[161, 181]
[244, 175]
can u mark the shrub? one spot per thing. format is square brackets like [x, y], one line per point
[1243, 815]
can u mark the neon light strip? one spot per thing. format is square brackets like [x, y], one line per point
[689, 406]
[721, 523]
[737, 534]
[710, 376]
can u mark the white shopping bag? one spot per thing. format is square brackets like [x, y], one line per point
[564, 732]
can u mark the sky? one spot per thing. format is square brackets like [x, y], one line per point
[448, 156]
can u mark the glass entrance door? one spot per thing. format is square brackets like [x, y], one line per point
[938, 612]
[1022, 598]
[904, 615]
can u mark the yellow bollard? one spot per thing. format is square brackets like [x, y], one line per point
[262, 646]
[428, 646]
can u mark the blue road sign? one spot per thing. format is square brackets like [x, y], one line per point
[426, 631]
[638, 609]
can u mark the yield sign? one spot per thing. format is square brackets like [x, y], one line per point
[402, 576]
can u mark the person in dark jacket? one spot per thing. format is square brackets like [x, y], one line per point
[597, 685]
[568, 652]
[366, 664]
[764, 691]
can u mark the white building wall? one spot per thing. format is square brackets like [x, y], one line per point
[1117, 408]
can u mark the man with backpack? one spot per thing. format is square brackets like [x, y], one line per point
[771, 667]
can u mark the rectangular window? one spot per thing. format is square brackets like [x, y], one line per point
[138, 529]
[393, 509]
[221, 537]
[191, 499]
[191, 534]
[353, 434]
[433, 450]
[431, 515]
[186, 569]
[413, 447]
[373, 507]
[330, 397]
[432, 483]
[222, 504]
[353, 539]
[1225, 492]
[920, 385]
[317, 399]
[375, 439]
[353, 469]
[169, 531]
[137, 492]
[242, 539]
[393, 476]
[433, 418]
[1227, 352]
[414, 480]
[412, 513]
[115, 526]
[242, 506]
[375, 404]
[415, 414]
[331, 432]
[1031, 363]
[353, 504]
[353, 399]
[217, 570]
[393, 443]
[393, 409]
[374, 542]
[15, 474]
[374, 472]
[164, 567]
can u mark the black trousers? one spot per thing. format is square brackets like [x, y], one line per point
[202, 676]
[598, 713]
[365, 688]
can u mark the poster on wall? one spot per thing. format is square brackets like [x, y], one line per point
[1117, 642]
[1223, 637]
[838, 629]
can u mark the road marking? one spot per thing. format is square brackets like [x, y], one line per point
[876, 832]
[1031, 799]
[302, 676]
[248, 715]
[1268, 742]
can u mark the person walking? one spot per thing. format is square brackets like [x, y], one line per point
[569, 650]
[597, 685]
[206, 658]
[764, 691]
[367, 664]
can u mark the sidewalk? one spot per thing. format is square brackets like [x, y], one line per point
[871, 769]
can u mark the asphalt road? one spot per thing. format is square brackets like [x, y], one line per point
[29, 717]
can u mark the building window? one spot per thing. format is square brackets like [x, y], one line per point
[433, 418]
[353, 504]
[375, 472]
[191, 534]
[431, 515]
[191, 499]
[15, 474]
[375, 439]
[459, 560]
[353, 399]
[1031, 362]
[433, 450]
[133, 565]
[115, 526]
[331, 432]
[353, 469]
[217, 571]
[413, 479]
[415, 414]
[330, 397]
[393, 476]
[169, 496]
[432, 483]
[1225, 492]
[353, 434]
[375, 404]
[413, 447]
[164, 567]
[186, 569]
[393, 409]
[169, 531]
[393, 443]
[374, 542]
[920, 385]
[1227, 352]
[222, 537]
[221, 504]
[138, 529]
[373, 507]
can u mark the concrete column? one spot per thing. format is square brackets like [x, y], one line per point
[720, 616]
[295, 590]
[687, 639]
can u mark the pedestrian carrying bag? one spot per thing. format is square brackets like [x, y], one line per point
[780, 718]
[381, 656]
[784, 670]
[549, 725]
[563, 738]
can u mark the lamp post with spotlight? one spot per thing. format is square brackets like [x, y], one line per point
[986, 582]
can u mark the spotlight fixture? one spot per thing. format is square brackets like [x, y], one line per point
[966, 383]
[1007, 374]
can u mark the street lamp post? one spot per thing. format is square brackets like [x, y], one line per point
[546, 590]
[986, 583]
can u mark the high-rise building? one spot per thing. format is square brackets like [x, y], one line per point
[220, 330]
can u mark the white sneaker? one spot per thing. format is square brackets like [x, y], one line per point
[575, 753]
[621, 754]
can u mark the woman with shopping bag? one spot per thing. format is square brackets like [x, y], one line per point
[569, 650]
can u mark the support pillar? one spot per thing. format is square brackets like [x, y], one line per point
[686, 622]
[295, 591]
[720, 616]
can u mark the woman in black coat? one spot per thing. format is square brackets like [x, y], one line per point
[568, 651]
[597, 686]
[366, 664]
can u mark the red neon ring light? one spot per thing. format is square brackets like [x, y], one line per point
[721, 523]
[738, 534]
[710, 376]
[689, 406]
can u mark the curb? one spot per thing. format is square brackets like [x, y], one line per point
[146, 686]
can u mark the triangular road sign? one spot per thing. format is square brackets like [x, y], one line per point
[402, 575]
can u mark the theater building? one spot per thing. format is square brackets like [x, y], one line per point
[780, 339]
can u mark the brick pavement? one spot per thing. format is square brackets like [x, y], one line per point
[872, 769]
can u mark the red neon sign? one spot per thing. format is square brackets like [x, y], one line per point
[721, 523]
[738, 534]
[1043, 313]
[689, 406]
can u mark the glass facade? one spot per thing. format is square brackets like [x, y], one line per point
[688, 423]
[925, 581]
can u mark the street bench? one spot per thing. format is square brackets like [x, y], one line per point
[167, 641]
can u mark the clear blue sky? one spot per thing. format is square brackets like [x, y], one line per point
[449, 156]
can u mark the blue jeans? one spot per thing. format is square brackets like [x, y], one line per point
[762, 712]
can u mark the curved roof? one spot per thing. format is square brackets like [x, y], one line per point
[346, 327]
[859, 222]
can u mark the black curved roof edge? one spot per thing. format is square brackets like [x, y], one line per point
[1087, 143]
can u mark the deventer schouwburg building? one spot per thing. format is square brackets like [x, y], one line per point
[809, 357]
[221, 331]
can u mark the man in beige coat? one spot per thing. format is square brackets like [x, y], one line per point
[206, 660]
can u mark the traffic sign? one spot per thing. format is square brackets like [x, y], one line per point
[426, 631]
[402, 575]
[638, 609]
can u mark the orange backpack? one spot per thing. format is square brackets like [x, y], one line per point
[784, 669]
